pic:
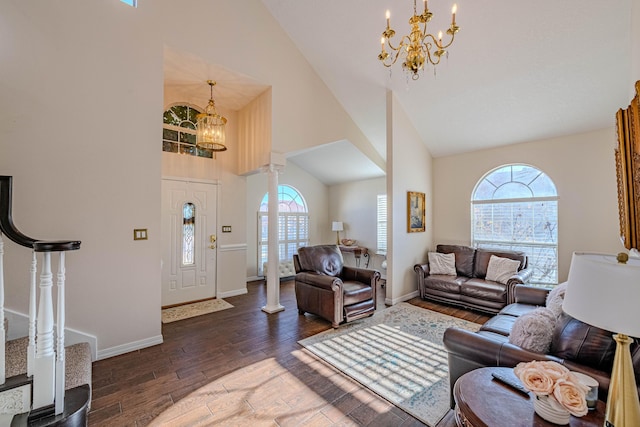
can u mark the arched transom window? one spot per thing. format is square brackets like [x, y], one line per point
[179, 132]
[293, 225]
[515, 207]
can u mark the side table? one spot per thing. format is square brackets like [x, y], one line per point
[357, 251]
[483, 401]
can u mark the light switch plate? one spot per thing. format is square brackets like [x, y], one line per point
[139, 234]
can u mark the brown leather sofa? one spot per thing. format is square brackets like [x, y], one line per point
[469, 287]
[326, 287]
[578, 346]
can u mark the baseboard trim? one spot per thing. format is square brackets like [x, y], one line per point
[129, 347]
[232, 293]
[403, 298]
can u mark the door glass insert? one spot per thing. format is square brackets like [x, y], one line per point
[188, 233]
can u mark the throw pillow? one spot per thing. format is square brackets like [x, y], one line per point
[533, 331]
[442, 263]
[555, 297]
[500, 269]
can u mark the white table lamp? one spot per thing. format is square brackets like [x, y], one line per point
[603, 292]
[337, 226]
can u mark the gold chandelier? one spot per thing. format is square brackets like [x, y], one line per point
[210, 132]
[419, 46]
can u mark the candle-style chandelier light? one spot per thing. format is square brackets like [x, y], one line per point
[419, 46]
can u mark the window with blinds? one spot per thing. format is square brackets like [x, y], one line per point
[293, 225]
[515, 207]
[382, 224]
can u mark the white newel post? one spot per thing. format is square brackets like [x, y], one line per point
[273, 278]
[60, 353]
[3, 333]
[44, 367]
[31, 347]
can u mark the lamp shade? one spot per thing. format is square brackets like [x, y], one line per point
[337, 226]
[604, 293]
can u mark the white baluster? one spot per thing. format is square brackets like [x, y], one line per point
[31, 347]
[2, 331]
[44, 367]
[60, 354]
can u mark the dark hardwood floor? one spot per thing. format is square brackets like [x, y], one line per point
[239, 367]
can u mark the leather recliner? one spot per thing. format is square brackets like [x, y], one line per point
[325, 287]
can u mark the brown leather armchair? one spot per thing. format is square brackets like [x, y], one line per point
[327, 288]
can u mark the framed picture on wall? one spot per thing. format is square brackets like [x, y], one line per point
[415, 212]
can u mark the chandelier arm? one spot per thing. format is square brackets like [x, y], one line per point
[394, 58]
[401, 45]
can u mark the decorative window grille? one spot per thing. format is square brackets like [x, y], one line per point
[293, 225]
[188, 234]
[179, 132]
[515, 207]
[382, 224]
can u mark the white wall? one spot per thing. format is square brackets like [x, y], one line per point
[582, 167]
[315, 194]
[409, 168]
[80, 130]
[355, 204]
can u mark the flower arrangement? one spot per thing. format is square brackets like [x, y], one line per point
[562, 388]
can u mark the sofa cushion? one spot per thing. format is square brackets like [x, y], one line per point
[484, 255]
[517, 309]
[323, 259]
[465, 256]
[440, 263]
[444, 283]
[501, 269]
[499, 324]
[533, 331]
[484, 290]
[586, 344]
[355, 292]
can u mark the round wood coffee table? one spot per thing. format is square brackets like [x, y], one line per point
[483, 401]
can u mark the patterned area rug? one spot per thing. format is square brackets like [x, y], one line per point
[398, 354]
[186, 311]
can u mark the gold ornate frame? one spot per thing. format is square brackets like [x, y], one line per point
[628, 171]
[415, 212]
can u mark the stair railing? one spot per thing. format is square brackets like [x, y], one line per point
[45, 351]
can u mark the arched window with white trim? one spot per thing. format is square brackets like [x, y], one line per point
[515, 207]
[293, 225]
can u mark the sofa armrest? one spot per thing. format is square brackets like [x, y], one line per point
[319, 280]
[362, 275]
[422, 271]
[520, 278]
[468, 350]
[532, 295]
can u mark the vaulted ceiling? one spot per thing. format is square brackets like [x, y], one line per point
[517, 71]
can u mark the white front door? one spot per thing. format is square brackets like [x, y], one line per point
[188, 241]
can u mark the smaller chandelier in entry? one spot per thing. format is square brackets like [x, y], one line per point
[210, 132]
[419, 46]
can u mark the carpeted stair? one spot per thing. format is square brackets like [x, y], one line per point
[77, 374]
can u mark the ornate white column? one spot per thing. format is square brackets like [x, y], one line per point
[273, 278]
